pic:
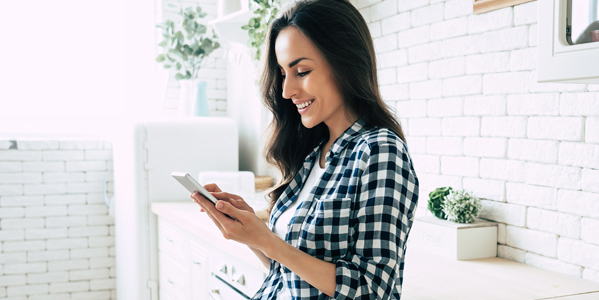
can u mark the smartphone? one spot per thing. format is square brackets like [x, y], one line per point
[192, 185]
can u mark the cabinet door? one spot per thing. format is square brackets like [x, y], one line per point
[200, 272]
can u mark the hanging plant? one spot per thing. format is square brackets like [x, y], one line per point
[257, 27]
[186, 43]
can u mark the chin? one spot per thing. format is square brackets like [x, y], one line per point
[308, 123]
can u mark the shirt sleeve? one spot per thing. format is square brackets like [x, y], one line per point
[382, 218]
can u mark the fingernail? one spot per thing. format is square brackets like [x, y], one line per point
[219, 205]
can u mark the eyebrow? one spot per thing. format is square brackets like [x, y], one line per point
[295, 62]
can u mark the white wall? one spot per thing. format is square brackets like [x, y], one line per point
[465, 88]
[56, 236]
[70, 60]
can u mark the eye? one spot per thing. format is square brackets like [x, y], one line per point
[303, 74]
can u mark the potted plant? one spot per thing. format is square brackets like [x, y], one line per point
[435, 201]
[453, 230]
[461, 206]
[187, 45]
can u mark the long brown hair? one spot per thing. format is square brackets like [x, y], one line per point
[341, 34]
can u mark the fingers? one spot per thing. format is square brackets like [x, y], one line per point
[226, 196]
[208, 207]
[212, 187]
[227, 208]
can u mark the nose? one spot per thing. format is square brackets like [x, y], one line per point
[290, 88]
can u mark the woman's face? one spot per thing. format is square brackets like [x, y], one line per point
[308, 80]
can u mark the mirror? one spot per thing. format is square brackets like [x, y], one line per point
[582, 22]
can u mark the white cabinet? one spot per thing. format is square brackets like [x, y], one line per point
[173, 262]
[199, 270]
[196, 265]
[183, 264]
[559, 61]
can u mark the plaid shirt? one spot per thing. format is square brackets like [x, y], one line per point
[358, 217]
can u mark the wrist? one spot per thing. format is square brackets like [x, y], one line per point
[274, 248]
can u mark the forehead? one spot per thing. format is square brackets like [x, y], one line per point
[292, 44]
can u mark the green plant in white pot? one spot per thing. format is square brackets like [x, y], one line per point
[187, 44]
[461, 206]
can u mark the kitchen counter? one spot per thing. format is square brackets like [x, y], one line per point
[431, 277]
[426, 276]
[187, 215]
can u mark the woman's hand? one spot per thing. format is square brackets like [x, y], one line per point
[247, 228]
[235, 200]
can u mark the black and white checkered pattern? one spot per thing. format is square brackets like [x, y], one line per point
[358, 217]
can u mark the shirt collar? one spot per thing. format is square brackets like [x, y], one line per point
[354, 130]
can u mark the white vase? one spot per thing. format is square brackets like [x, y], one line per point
[192, 98]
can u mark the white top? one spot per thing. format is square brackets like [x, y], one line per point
[281, 225]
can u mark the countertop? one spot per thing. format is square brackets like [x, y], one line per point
[188, 216]
[426, 276]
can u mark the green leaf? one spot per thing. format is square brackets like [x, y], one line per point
[201, 15]
[187, 50]
[179, 76]
[160, 58]
[199, 9]
[166, 66]
[199, 51]
[178, 65]
[202, 29]
[163, 43]
[180, 37]
[245, 27]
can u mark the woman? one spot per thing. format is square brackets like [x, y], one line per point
[340, 219]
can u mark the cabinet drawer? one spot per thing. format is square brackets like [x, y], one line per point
[174, 241]
[174, 278]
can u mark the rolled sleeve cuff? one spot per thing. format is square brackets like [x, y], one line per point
[353, 282]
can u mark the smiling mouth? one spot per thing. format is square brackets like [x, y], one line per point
[305, 104]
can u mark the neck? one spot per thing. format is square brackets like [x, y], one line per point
[337, 127]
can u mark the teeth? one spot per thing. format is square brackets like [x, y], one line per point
[304, 104]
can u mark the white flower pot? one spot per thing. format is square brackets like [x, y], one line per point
[454, 240]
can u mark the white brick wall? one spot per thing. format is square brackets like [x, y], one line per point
[55, 230]
[476, 117]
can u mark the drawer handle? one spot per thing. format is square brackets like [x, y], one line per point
[170, 281]
[170, 240]
[197, 262]
[215, 294]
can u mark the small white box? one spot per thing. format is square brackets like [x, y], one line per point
[454, 240]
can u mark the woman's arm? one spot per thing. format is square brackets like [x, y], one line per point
[263, 258]
[318, 273]
[250, 230]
